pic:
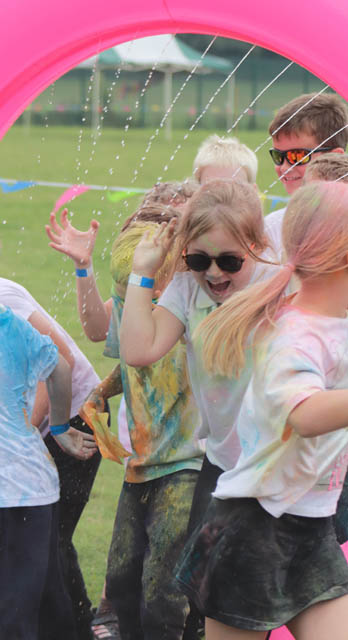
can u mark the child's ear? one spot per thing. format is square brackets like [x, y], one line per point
[157, 293]
[337, 150]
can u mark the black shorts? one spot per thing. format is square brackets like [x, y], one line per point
[249, 570]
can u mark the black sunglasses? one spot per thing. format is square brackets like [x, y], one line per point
[295, 156]
[202, 262]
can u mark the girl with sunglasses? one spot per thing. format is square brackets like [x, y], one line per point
[267, 552]
[221, 248]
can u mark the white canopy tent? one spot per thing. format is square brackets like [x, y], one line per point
[165, 53]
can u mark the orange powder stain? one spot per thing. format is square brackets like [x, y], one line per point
[26, 418]
[286, 433]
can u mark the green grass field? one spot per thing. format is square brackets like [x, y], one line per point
[67, 155]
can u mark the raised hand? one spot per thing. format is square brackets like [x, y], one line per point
[78, 245]
[77, 444]
[151, 251]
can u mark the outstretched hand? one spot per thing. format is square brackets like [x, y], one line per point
[151, 251]
[77, 444]
[78, 245]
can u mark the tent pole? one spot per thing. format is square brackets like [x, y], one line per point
[167, 99]
[96, 99]
[230, 110]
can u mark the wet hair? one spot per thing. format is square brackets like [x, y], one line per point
[328, 166]
[315, 237]
[321, 117]
[155, 212]
[164, 195]
[234, 205]
[225, 152]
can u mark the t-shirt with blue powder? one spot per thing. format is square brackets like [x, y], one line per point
[28, 476]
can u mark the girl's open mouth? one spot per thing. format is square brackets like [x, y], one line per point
[218, 287]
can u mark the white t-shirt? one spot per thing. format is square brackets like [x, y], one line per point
[218, 398]
[84, 378]
[273, 227]
[287, 473]
[28, 475]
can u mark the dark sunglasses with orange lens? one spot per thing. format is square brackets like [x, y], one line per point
[295, 156]
[202, 262]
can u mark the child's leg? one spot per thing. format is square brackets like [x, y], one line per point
[322, 621]
[24, 544]
[56, 618]
[126, 557]
[215, 630]
[165, 607]
[206, 484]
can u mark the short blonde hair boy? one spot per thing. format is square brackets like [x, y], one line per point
[226, 153]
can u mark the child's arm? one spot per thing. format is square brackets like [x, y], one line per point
[146, 335]
[40, 322]
[107, 388]
[79, 245]
[78, 444]
[322, 412]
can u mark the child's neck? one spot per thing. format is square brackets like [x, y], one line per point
[326, 295]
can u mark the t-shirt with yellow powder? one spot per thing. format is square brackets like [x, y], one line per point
[162, 415]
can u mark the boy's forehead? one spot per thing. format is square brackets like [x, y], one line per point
[300, 139]
[214, 172]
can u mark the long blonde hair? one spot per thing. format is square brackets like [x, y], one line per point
[234, 205]
[315, 237]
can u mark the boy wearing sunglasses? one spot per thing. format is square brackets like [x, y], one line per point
[301, 130]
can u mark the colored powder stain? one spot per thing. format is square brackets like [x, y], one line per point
[26, 418]
[286, 433]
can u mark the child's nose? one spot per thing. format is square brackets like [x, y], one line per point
[214, 270]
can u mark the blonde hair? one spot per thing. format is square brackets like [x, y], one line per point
[315, 237]
[234, 205]
[123, 251]
[321, 117]
[225, 152]
[328, 166]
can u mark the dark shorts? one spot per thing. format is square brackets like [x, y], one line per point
[249, 570]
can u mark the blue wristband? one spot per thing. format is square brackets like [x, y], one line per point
[57, 429]
[84, 273]
[141, 281]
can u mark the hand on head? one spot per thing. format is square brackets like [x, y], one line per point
[152, 251]
[78, 245]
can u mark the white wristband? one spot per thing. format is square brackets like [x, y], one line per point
[141, 281]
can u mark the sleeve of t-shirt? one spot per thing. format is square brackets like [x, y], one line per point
[42, 353]
[292, 375]
[112, 344]
[175, 297]
[18, 300]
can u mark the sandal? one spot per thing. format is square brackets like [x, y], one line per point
[105, 627]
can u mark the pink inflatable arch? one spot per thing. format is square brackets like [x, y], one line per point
[39, 41]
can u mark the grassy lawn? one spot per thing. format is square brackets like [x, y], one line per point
[59, 154]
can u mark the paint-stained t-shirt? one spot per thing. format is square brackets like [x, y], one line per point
[218, 397]
[162, 415]
[306, 353]
[28, 476]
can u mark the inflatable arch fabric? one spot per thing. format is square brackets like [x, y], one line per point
[40, 41]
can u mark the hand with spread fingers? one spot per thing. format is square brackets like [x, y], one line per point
[77, 245]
